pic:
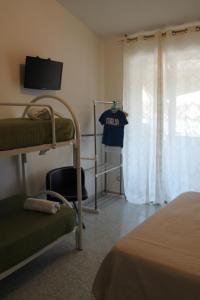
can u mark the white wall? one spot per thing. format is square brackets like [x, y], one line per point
[44, 28]
[113, 90]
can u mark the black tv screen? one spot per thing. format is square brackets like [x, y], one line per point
[43, 74]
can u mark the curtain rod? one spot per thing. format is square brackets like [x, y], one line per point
[164, 33]
[105, 102]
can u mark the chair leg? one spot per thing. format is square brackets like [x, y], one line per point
[76, 209]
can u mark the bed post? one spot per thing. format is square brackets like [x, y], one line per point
[76, 164]
[24, 173]
[79, 192]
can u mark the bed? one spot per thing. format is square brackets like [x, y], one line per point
[160, 259]
[25, 234]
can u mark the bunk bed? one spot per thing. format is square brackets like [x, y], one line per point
[24, 234]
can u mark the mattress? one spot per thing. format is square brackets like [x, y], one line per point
[23, 233]
[21, 132]
[160, 259]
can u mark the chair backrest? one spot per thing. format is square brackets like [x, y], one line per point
[63, 180]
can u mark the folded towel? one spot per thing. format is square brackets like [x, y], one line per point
[38, 113]
[41, 205]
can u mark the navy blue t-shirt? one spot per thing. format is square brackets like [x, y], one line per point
[113, 132]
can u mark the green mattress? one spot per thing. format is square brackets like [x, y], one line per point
[23, 233]
[21, 132]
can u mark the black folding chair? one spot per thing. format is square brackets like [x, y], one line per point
[63, 181]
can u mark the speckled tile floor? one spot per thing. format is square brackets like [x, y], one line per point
[63, 272]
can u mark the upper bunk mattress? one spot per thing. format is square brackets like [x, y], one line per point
[21, 132]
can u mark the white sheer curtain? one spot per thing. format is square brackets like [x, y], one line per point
[181, 100]
[162, 140]
[140, 85]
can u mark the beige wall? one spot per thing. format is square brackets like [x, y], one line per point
[113, 84]
[113, 64]
[44, 28]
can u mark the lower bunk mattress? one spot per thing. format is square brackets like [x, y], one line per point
[22, 132]
[160, 259]
[23, 233]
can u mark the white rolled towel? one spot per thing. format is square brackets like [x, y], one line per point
[41, 205]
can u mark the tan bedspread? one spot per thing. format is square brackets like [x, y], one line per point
[159, 260]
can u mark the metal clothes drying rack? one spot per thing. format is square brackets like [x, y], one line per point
[107, 168]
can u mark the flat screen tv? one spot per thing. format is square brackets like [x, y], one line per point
[42, 74]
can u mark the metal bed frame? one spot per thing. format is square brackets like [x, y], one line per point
[22, 153]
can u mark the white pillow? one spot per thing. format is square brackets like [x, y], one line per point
[38, 113]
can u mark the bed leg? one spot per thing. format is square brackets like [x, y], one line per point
[24, 173]
[77, 240]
